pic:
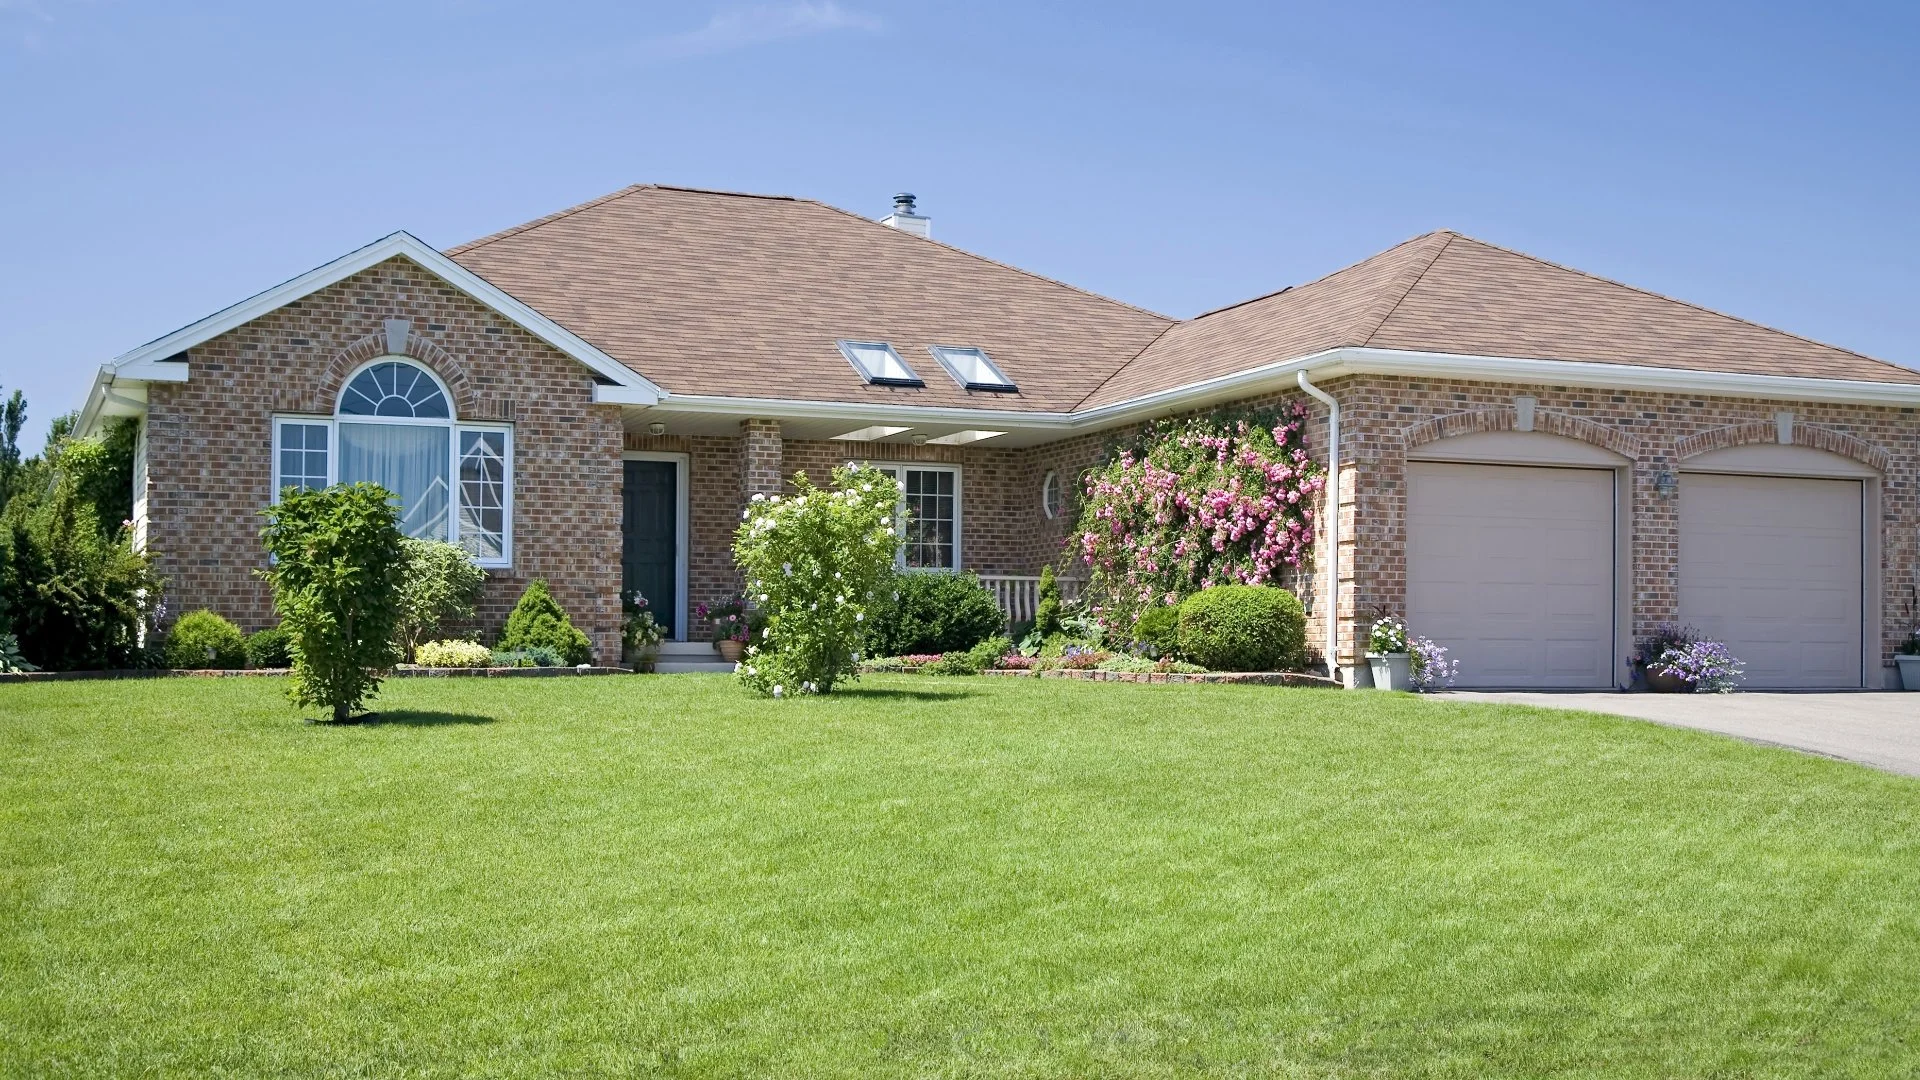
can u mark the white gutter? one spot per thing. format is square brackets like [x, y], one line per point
[1330, 511]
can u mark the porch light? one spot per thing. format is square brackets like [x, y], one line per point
[868, 434]
[962, 438]
[1665, 484]
[656, 428]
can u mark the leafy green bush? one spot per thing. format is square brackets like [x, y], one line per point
[1047, 607]
[533, 656]
[71, 587]
[336, 574]
[538, 621]
[442, 585]
[463, 654]
[932, 612]
[10, 658]
[1244, 628]
[1157, 631]
[203, 639]
[270, 648]
[972, 661]
[814, 563]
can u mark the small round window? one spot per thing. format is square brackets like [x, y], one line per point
[1050, 503]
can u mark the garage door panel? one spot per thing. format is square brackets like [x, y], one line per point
[1772, 566]
[1511, 568]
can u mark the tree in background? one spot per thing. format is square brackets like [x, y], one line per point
[13, 416]
[337, 569]
[442, 585]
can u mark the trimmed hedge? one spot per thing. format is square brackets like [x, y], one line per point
[1244, 628]
[270, 648]
[203, 639]
[1158, 629]
[931, 612]
[452, 654]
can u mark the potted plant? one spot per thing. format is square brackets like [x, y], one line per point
[640, 633]
[1389, 656]
[1907, 655]
[1706, 667]
[731, 627]
[1646, 662]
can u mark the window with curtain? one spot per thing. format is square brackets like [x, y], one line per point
[395, 427]
[930, 508]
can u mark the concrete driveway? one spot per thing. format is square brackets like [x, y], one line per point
[1878, 729]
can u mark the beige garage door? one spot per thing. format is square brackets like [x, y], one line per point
[1511, 568]
[1771, 565]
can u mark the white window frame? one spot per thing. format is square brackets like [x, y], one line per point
[898, 470]
[1004, 386]
[847, 347]
[454, 426]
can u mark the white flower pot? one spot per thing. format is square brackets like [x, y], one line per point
[1391, 671]
[1909, 671]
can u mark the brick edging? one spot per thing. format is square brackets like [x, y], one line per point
[1251, 678]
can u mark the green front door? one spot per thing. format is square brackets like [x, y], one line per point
[649, 556]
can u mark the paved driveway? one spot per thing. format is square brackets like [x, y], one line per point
[1878, 729]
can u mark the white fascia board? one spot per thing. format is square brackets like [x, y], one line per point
[626, 395]
[397, 244]
[1618, 376]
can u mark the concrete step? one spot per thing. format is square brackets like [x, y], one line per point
[688, 650]
[665, 666]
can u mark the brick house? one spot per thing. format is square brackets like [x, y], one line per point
[1535, 465]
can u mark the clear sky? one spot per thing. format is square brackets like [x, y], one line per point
[159, 161]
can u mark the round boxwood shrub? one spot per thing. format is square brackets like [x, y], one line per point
[202, 639]
[1244, 628]
[931, 612]
[270, 648]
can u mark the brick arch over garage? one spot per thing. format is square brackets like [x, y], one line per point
[412, 346]
[1508, 419]
[1768, 431]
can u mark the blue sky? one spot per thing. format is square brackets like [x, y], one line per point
[160, 161]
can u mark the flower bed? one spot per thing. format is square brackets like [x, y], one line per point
[1254, 678]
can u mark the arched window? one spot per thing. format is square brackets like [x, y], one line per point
[394, 426]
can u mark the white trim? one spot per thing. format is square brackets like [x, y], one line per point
[1052, 480]
[446, 395]
[959, 499]
[1518, 448]
[681, 532]
[139, 363]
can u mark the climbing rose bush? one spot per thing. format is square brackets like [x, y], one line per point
[1202, 502]
[814, 561]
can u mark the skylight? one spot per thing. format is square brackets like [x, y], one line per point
[879, 364]
[962, 438]
[971, 368]
[868, 434]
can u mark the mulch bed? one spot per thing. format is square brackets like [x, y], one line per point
[1253, 678]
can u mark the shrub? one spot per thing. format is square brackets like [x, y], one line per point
[814, 562]
[203, 639]
[270, 648]
[538, 621]
[336, 576]
[927, 612]
[972, 661]
[536, 656]
[1198, 502]
[1157, 631]
[1046, 611]
[1431, 670]
[10, 658]
[442, 585]
[1244, 628]
[71, 587]
[452, 654]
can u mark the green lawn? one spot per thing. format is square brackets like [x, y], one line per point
[934, 877]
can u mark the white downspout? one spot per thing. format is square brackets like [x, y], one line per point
[1331, 510]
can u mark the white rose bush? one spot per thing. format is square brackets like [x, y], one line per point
[813, 561]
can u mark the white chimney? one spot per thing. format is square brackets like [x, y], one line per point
[905, 219]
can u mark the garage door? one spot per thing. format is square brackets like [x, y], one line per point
[1511, 568]
[1772, 566]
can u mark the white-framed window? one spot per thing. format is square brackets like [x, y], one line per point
[878, 363]
[1050, 501]
[930, 510]
[972, 368]
[394, 426]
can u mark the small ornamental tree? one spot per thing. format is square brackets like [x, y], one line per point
[1200, 502]
[337, 569]
[539, 622]
[442, 585]
[814, 561]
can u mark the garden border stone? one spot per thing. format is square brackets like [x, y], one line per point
[1251, 678]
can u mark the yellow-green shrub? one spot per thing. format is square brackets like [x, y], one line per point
[452, 654]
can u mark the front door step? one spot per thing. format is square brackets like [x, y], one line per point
[690, 657]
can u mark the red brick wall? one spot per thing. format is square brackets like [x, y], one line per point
[210, 443]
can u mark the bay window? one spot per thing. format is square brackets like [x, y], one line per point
[394, 426]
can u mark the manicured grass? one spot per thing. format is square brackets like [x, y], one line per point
[929, 877]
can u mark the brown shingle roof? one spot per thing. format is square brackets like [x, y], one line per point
[740, 295]
[1448, 293]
